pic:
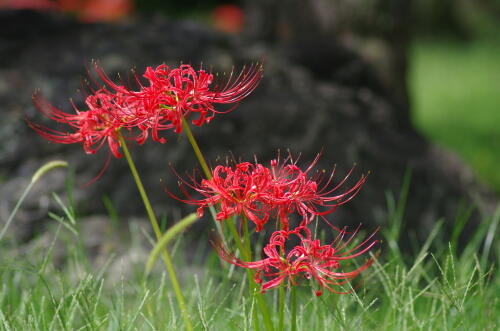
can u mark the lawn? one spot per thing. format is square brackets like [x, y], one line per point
[456, 101]
[436, 287]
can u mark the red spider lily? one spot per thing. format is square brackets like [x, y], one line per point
[92, 128]
[109, 109]
[309, 260]
[259, 192]
[160, 105]
[241, 190]
[148, 112]
[176, 93]
[182, 91]
[309, 196]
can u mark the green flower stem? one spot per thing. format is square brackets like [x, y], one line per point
[156, 229]
[251, 280]
[294, 309]
[281, 313]
[237, 239]
[255, 316]
[244, 252]
[172, 233]
[204, 166]
[246, 237]
[196, 149]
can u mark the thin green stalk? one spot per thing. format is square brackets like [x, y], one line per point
[246, 237]
[255, 317]
[251, 280]
[38, 174]
[156, 229]
[203, 164]
[172, 233]
[247, 256]
[281, 314]
[237, 239]
[196, 149]
[244, 252]
[294, 309]
[16, 208]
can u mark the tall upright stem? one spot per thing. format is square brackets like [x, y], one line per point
[196, 149]
[246, 254]
[203, 164]
[253, 286]
[281, 311]
[157, 231]
[242, 247]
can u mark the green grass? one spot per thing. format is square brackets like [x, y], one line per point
[434, 288]
[456, 101]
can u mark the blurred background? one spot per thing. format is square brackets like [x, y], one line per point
[406, 82]
[452, 53]
[454, 68]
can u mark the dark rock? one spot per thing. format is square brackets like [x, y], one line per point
[346, 113]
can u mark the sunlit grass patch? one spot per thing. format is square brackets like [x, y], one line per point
[437, 287]
[456, 101]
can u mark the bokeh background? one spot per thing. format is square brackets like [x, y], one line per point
[452, 54]
[417, 81]
[454, 60]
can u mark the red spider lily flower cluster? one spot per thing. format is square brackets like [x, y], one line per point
[160, 104]
[309, 260]
[259, 192]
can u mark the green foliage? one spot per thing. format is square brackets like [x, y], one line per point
[456, 99]
[441, 288]
[36, 176]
